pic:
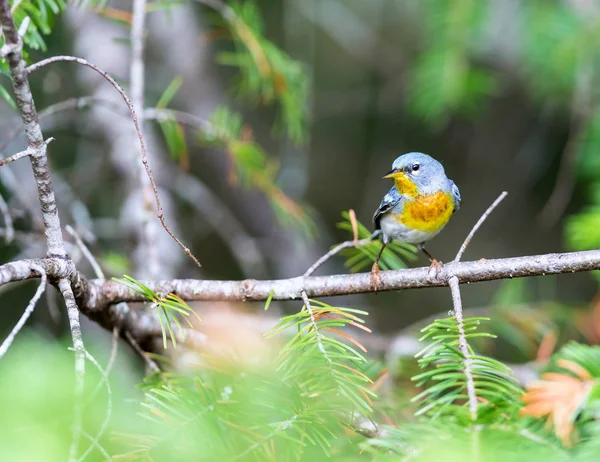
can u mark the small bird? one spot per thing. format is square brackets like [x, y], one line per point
[418, 206]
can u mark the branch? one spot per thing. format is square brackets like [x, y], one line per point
[17, 156]
[35, 139]
[9, 230]
[159, 211]
[100, 293]
[486, 214]
[463, 346]
[64, 286]
[28, 310]
[453, 282]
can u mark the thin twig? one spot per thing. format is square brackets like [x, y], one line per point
[159, 211]
[86, 252]
[138, 349]
[486, 214]
[95, 439]
[64, 286]
[19, 155]
[97, 445]
[9, 228]
[337, 249]
[313, 321]
[464, 346]
[454, 284]
[28, 310]
[14, 157]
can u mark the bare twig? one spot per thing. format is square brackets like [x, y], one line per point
[17, 156]
[337, 249]
[486, 214]
[86, 252]
[28, 310]
[97, 445]
[138, 349]
[8, 222]
[64, 286]
[159, 211]
[454, 284]
[95, 440]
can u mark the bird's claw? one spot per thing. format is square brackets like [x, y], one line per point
[376, 280]
[434, 268]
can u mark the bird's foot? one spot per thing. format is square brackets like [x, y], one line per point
[376, 279]
[434, 268]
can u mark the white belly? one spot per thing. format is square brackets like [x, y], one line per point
[397, 231]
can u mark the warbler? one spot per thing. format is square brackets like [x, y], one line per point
[418, 206]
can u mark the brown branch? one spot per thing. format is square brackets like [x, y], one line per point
[159, 211]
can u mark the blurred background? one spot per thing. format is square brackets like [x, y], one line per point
[502, 92]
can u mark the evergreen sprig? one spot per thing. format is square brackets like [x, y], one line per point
[267, 74]
[295, 407]
[445, 379]
[252, 167]
[169, 308]
[363, 256]
[335, 373]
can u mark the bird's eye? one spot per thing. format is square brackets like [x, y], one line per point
[415, 167]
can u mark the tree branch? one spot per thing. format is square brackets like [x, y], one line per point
[64, 286]
[35, 139]
[99, 294]
[28, 310]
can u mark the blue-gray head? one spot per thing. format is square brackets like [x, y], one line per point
[417, 173]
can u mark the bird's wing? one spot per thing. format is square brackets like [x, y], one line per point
[389, 200]
[456, 196]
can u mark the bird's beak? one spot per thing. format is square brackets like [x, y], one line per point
[393, 173]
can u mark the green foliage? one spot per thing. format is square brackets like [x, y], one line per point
[171, 128]
[446, 379]
[361, 257]
[252, 167]
[169, 308]
[267, 74]
[449, 442]
[569, 42]
[37, 400]
[444, 79]
[294, 406]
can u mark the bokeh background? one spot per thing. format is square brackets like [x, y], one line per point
[503, 93]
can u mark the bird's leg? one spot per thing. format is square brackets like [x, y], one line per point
[375, 272]
[435, 265]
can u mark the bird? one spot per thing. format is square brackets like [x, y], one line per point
[418, 206]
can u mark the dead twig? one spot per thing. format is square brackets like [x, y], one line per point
[159, 211]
